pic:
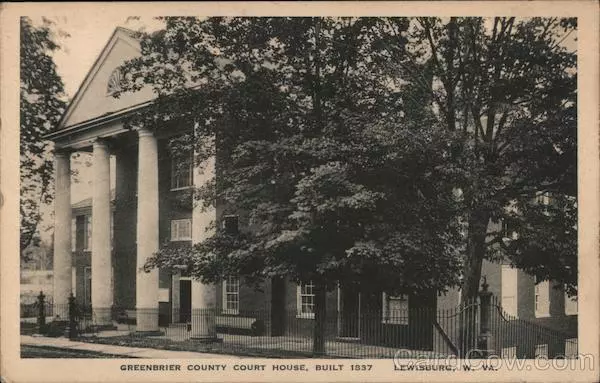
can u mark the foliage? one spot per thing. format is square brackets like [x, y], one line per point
[510, 85]
[372, 149]
[42, 104]
[312, 148]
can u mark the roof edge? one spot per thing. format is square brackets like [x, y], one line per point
[84, 125]
[88, 75]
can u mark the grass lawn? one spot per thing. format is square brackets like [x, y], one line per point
[28, 351]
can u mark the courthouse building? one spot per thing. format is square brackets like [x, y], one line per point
[102, 242]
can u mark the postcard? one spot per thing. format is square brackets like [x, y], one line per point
[299, 191]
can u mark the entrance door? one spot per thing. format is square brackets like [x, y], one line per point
[277, 306]
[87, 286]
[185, 301]
[350, 313]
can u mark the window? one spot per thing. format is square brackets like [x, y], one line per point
[541, 351]
[570, 305]
[83, 233]
[508, 230]
[509, 290]
[231, 295]
[509, 352]
[542, 299]
[181, 171]
[395, 309]
[543, 199]
[305, 300]
[571, 348]
[230, 224]
[181, 230]
[114, 82]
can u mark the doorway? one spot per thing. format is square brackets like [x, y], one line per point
[185, 300]
[349, 302]
[278, 316]
[87, 286]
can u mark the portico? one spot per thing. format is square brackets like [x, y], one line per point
[114, 254]
[146, 229]
[95, 123]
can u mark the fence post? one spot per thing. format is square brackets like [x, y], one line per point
[41, 318]
[72, 317]
[484, 342]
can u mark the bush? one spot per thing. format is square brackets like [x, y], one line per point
[55, 328]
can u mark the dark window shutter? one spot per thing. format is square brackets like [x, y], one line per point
[230, 224]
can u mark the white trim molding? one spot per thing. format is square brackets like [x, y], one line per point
[178, 230]
[231, 288]
[399, 307]
[305, 290]
[509, 290]
[542, 299]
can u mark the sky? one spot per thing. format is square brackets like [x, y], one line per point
[87, 38]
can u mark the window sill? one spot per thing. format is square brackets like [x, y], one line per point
[305, 316]
[542, 315]
[384, 321]
[230, 312]
[181, 188]
[181, 240]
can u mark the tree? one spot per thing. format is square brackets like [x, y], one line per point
[313, 149]
[371, 149]
[507, 88]
[42, 104]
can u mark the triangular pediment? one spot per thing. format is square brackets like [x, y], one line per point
[93, 98]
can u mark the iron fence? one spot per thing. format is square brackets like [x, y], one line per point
[416, 332]
[526, 339]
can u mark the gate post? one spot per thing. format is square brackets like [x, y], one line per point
[41, 317]
[72, 317]
[484, 342]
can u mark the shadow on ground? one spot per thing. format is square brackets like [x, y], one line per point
[55, 352]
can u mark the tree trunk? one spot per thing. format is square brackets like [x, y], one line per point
[478, 223]
[320, 320]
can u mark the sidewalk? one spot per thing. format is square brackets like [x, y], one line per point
[124, 351]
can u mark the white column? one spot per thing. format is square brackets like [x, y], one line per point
[203, 295]
[62, 234]
[102, 288]
[147, 233]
